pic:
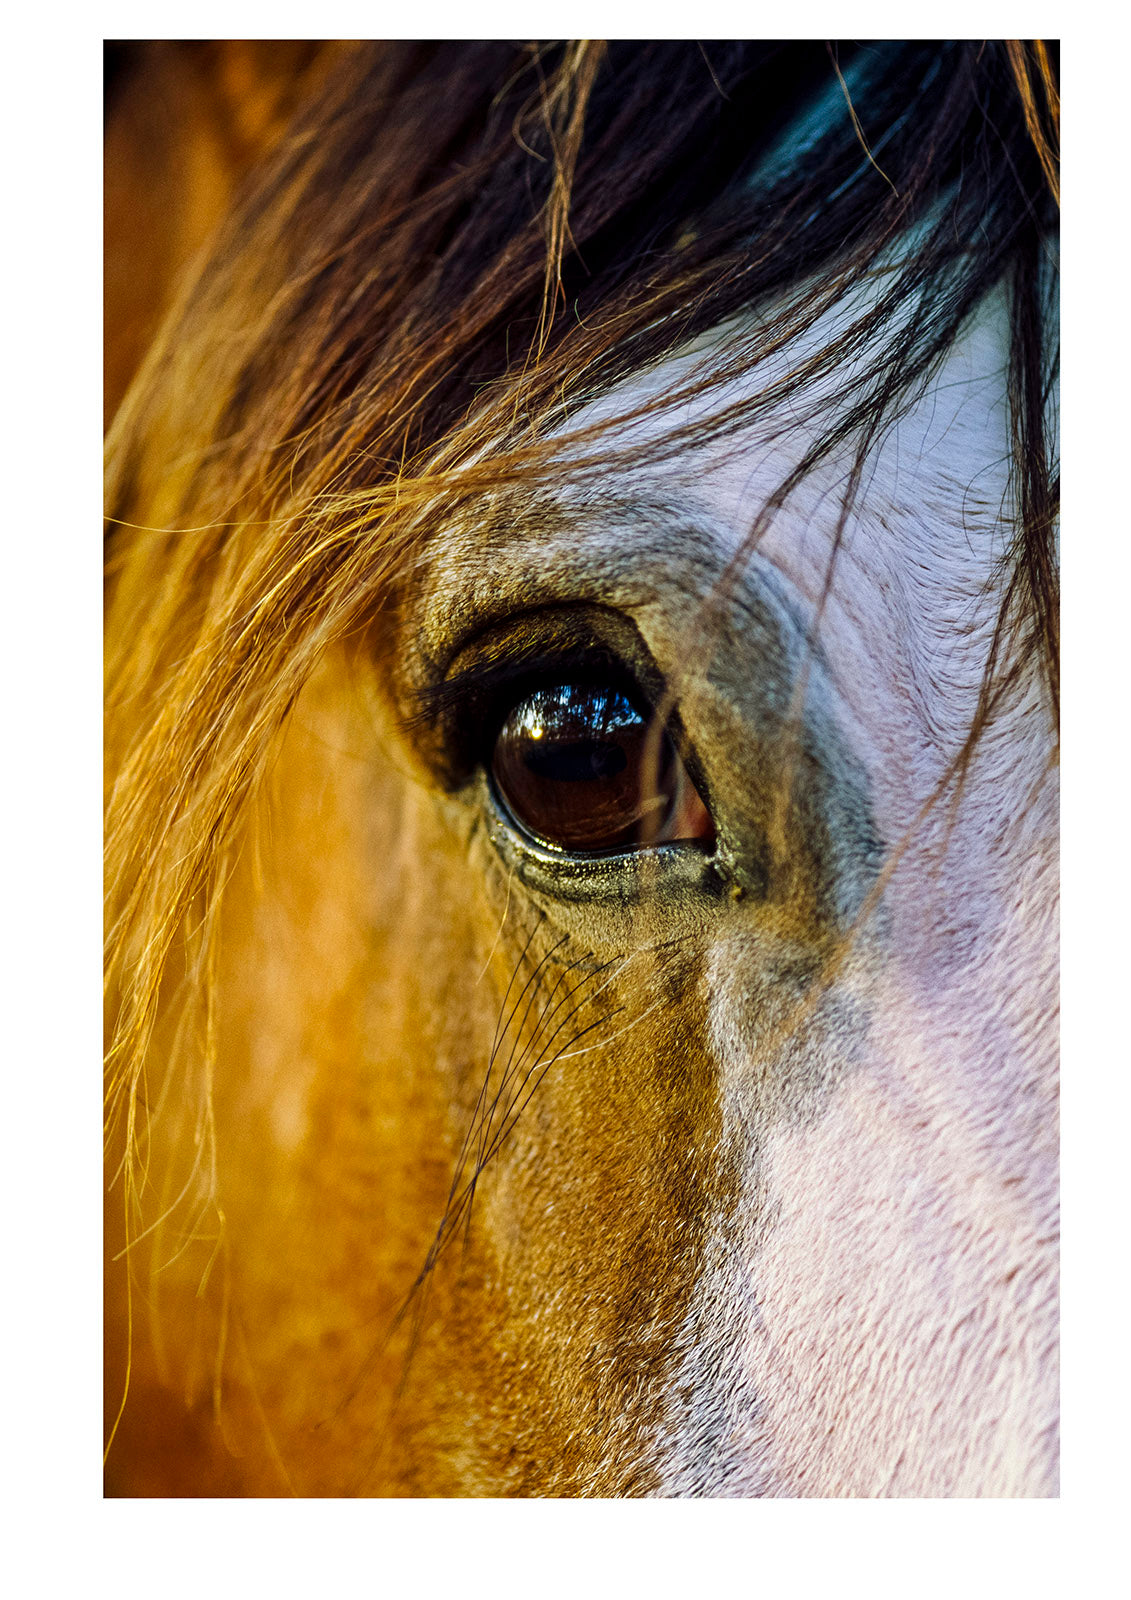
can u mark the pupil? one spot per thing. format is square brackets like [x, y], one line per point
[579, 762]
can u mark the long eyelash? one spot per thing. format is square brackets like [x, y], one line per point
[487, 1140]
[553, 1037]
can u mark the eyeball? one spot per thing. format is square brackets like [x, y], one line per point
[583, 769]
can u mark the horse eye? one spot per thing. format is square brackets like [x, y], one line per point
[583, 769]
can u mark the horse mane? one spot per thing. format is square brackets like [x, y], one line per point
[446, 251]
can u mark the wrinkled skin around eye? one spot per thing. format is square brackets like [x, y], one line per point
[584, 770]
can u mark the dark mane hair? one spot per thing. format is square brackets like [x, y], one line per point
[451, 248]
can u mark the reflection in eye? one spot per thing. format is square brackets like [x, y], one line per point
[583, 769]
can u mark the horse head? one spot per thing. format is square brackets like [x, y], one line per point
[583, 822]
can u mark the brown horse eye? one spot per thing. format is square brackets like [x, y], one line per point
[582, 769]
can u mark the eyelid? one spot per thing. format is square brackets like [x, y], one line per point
[550, 637]
[512, 672]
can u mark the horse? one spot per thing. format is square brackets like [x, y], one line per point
[581, 731]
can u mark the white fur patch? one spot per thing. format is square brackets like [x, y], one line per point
[893, 1331]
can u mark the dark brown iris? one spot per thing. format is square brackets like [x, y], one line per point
[582, 768]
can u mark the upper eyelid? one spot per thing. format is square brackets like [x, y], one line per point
[436, 701]
[464, 692]
[555, 638]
